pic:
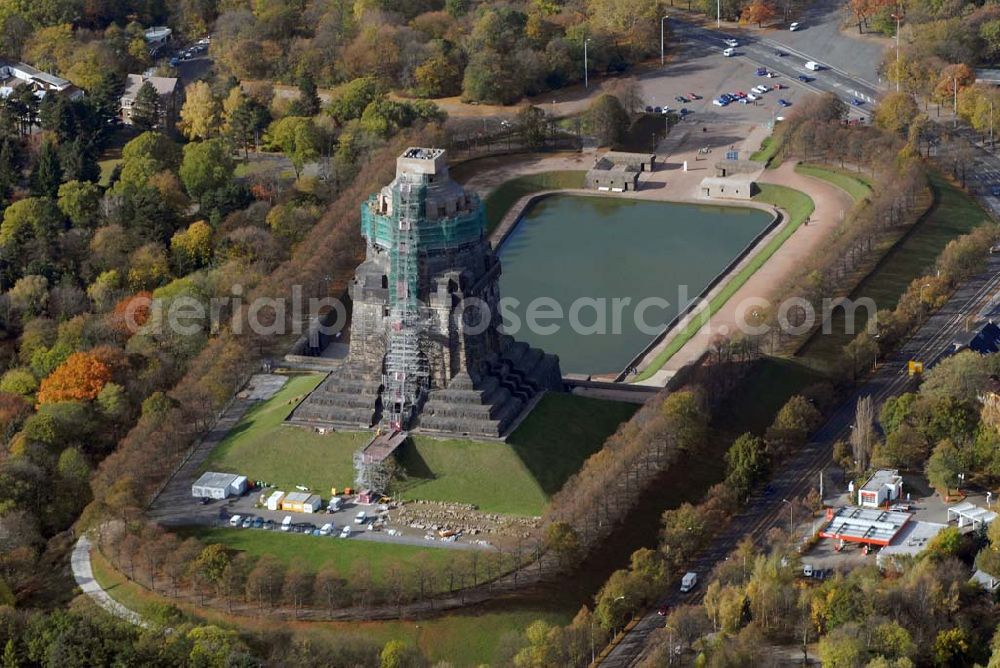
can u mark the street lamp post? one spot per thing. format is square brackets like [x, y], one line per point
[790, 509]
[899, 75]
[661, 39]
[586, 79]
[718, 13]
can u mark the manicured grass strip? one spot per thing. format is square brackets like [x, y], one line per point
[768, 149]
[855, 185]
[952, 214]
[798, 206]
[499, 201]
[516, 477]
[314, 552]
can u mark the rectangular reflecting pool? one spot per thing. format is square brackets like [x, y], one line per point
[595, 279]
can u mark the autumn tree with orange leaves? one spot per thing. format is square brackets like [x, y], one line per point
[80, 378]
[131, 313]
[757, 12]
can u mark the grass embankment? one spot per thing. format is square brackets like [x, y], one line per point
[460, 639]
[499, 202]
[854, 184]
[952, 214]
[798, 206]
[516, 477]
[768, 152]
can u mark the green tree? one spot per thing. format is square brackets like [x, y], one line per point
[397, 654]
[561, 538]
[147, 109]
[746, 463]
[47, 173]
[944, 466]
[952, 648]
[607, 120]
[298, 138]
[207, 166]
[80, 202]
[350, 100]
[308, 102]
[148, 154]
[211, 563]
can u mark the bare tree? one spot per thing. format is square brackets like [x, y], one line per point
[863, 433]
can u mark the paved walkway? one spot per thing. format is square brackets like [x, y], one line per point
[174, 504]
[83, 573]
[832, 206]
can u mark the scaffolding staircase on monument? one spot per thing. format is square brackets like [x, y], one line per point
[406, 373]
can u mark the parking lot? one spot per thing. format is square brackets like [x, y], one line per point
[702, 69]
[220, 512]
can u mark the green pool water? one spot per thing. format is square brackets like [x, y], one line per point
[568, 248]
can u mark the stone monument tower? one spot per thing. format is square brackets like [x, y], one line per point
[426, 349]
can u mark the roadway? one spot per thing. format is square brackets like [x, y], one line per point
[801, 471]
[764, 51]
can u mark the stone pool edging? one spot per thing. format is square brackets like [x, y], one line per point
[778, 221]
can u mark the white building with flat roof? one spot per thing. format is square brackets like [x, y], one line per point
[213, 485]
[885, 486]
[910, 541]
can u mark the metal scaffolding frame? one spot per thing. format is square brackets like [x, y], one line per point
[405, 367]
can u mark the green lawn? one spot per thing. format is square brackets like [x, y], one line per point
[768, 149]
[952, 214]
[854, 184]
[469, 638]
[506, 194]
[517, 477]
[107, 166]
[313, 552]
[798, 207]
[263, 448]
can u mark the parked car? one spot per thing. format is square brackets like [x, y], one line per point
[235, 520]
[784, 103]
[667, 110]
[761, 71]
[807, 570]
[649, 110]
[286, 524]
[662, 612]
[732, 43]
[804, 78]
[258, 523]
[681, 99]
[794, 25]
[779, 53]
[728, 53]
[719, 102]
[694, 96]
[658, 109]
[685, 111]
[326, 529]
[361, 517]
[345, 532]
[174, 61]
[268, 525]
[857, 102]
[995, 192]
[247, 522]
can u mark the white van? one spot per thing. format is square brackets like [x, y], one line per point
[235, 520]
[728, 52]
[286, 524]
[688, 582]
[814, 66]
[326, 529]
[360, 517]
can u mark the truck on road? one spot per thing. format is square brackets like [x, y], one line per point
[689, 581]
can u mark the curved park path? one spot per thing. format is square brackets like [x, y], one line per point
[83, 573]
[832, 205]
